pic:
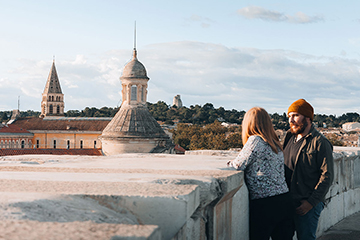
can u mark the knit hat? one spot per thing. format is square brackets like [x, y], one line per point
[303, 107]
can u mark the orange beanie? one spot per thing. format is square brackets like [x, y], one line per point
[303, 107]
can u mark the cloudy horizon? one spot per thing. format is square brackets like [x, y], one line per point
[233, 55]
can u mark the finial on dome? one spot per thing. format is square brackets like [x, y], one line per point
[135, 53]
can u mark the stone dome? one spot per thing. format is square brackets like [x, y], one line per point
[134, 69]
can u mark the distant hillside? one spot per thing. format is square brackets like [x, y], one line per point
[200, 115]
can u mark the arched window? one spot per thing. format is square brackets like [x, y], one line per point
[133, 93]
[49, 98]
[37, 143]
[52, 98]
[81, 143]
[142, 93]
[54, 143]
[22, 144]
[68, 144]
[58, 109]
[51, 109]
[94, 143]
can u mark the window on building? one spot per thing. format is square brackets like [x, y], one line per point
[2, 144]
[37, 143]
[52, 98]
[54, 143]
[142, 93]
[68, 144]
[94, 143]
[58, 109]
[51, 108]
[81, 143]
[49, 98]
[22, 144]
[133, 92]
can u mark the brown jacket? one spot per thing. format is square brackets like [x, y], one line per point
[313, 170]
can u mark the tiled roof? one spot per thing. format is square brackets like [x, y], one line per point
[10, 128]
[8, 152]
[132, 121]
[62, 124]
[179, 149]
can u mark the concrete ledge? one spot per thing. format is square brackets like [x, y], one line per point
[33, 230]
[174, 192]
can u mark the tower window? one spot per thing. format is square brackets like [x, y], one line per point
[51, 109]
[58, 109]
[142, 93]
[133, 93]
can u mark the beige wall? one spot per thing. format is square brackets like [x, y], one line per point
[46, 140]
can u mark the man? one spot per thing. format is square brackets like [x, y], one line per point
[309, 169]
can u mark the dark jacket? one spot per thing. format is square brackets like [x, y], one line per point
[313, 169]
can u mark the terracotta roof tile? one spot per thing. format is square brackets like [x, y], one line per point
[12, 129]
[62, 124]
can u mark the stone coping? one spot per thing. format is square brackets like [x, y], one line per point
[34, 230]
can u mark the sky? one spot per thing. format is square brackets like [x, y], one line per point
[233, 54]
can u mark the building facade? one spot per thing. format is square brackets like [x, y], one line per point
[12, 136]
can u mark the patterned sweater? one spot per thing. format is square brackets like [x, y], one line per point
[263, 168]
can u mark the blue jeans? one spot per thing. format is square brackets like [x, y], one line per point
[306, 225]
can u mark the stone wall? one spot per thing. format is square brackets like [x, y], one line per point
[144, 196]
[343, 198]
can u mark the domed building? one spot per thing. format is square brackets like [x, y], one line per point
[133, 129]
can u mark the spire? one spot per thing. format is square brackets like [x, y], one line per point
[135, 52]
[53, 83]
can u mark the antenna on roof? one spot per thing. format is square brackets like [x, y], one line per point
[18, 103]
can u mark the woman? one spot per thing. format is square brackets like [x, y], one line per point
[262, 161]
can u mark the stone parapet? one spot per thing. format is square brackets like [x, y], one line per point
[343, 198]
[179, 197]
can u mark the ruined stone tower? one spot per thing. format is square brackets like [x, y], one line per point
[177, 101]
[133, 129]
[52, 103]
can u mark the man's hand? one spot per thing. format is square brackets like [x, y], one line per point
[304, 208]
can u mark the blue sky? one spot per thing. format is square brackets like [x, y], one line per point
[235, 54]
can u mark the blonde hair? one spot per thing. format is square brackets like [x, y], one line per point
[257, 122]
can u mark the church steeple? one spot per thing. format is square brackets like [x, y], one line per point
[52, 103]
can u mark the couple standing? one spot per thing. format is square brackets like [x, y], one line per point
[289, 197]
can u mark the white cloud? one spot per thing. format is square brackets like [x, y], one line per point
[235, 78]
[204, 21]
[254, 12]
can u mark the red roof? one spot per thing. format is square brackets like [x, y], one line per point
[62, 124]
[8, 152]
[179, 149]
[12, 129]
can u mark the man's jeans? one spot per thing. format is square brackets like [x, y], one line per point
[306, 225]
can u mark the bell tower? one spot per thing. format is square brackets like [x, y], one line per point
[52, 103]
